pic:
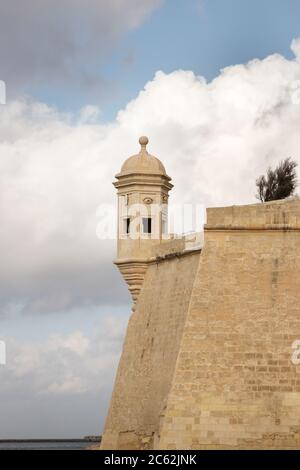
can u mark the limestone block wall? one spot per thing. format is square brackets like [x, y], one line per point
[149, 354]
[235, 385]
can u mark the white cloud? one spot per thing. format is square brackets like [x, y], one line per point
[55, 169]
[296, 48]
[64, 364]
[77, 343]
[60, 386]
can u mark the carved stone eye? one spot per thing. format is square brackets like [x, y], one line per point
[148, 200]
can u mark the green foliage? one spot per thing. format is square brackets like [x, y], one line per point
[279, 183]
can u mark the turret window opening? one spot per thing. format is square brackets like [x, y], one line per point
[127, 225]
[147, 225]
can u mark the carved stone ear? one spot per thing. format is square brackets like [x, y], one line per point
[148, 200]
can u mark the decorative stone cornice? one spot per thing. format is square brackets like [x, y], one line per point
[138, 179]
[133, 272]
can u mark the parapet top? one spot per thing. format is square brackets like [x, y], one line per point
[275, 215]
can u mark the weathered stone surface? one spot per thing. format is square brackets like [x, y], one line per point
[149, 354]
[235, 385]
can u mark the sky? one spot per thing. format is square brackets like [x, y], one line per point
[216, 87]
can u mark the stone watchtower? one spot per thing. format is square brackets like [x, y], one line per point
[143, 188]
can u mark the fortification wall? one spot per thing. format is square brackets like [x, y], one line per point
[149, 354]
[235, 385]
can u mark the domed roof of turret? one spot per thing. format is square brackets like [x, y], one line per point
[143, 162]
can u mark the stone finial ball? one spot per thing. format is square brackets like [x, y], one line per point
[143, 140]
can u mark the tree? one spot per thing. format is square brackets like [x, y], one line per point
[279, 183]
